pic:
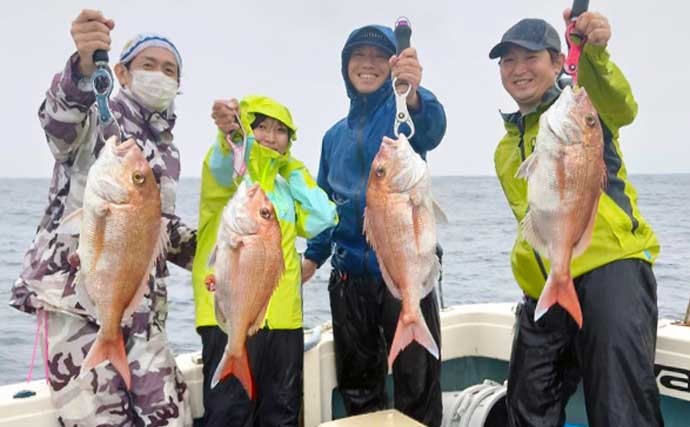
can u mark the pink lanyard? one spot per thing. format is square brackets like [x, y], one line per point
[42, 321]
[238, 151]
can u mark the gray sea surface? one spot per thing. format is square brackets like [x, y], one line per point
[477, 243]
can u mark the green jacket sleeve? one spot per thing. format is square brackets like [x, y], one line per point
[314, 210]
[217, 187]
[217, 184]
[607, 87]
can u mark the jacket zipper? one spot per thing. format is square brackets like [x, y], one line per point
[360, 157]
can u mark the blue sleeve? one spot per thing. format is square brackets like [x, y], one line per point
[429, 122]
[319, 248]
[315, 212]
[220, 162]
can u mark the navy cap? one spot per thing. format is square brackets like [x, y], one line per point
[532, 34]
[369, 36]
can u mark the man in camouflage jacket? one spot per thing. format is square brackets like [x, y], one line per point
[74, 134]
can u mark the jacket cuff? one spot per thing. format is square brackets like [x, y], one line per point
[75, 88]
[313, 255]
[596, 53]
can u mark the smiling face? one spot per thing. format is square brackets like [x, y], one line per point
[368, 68]
[527, 75]
[273, 134]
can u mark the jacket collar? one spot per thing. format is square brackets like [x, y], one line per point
[155, 124]
[547, 99]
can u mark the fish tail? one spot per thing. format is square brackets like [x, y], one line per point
[405, 333]
[237, 366]
[112, 350]
[560, 290]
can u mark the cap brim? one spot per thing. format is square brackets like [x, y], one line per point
[500, 48]
[368, 43]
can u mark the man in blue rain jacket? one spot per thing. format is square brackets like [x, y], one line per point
[364, 312]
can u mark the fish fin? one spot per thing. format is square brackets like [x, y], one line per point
[388, 280]
[159, 253]
[109, 190]
[586, 237]
[71, 224]
[281, 270]
[83, 296]
[365, 224]
[220, 316]
[416, 330]
[367, 228]
[440, 216]
[530, 234]
[111, 350]
[237, 366]
[258, 322]
[138, 296]
[432, 278]
[604, 177]
[527, 167]
[212, 256]
[562, 292]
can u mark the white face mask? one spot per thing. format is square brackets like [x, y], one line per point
[153, 89]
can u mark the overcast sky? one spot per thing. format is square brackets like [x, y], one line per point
[290, 50]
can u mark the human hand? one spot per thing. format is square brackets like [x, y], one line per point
[225, 114]
[309, 267]
[90, 32]
[593, 25]
[406, 68]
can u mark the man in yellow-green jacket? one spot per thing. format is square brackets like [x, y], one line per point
[303, 209]
[613, 354]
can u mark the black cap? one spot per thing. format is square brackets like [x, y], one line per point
[532, 34]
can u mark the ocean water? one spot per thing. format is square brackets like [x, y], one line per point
[477, 242]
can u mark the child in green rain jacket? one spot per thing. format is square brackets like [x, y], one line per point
[303, 209]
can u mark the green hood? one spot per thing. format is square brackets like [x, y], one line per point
[252, 105]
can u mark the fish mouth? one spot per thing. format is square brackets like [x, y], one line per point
[123, 148]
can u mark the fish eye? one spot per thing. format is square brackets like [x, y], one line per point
[138, 178]
[380, 172]
[265, 213]
[590, 120]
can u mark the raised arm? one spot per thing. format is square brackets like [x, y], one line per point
[604, 82]
[65, 112]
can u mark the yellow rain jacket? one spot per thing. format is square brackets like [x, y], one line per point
[620, 231]
[302, 208]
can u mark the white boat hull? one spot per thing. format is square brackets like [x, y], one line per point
[479, 330]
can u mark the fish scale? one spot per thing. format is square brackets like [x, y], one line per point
[248, 263]
[399, 223]
[121, 234]
[565, 176]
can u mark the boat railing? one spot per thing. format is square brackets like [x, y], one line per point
[686, 322]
